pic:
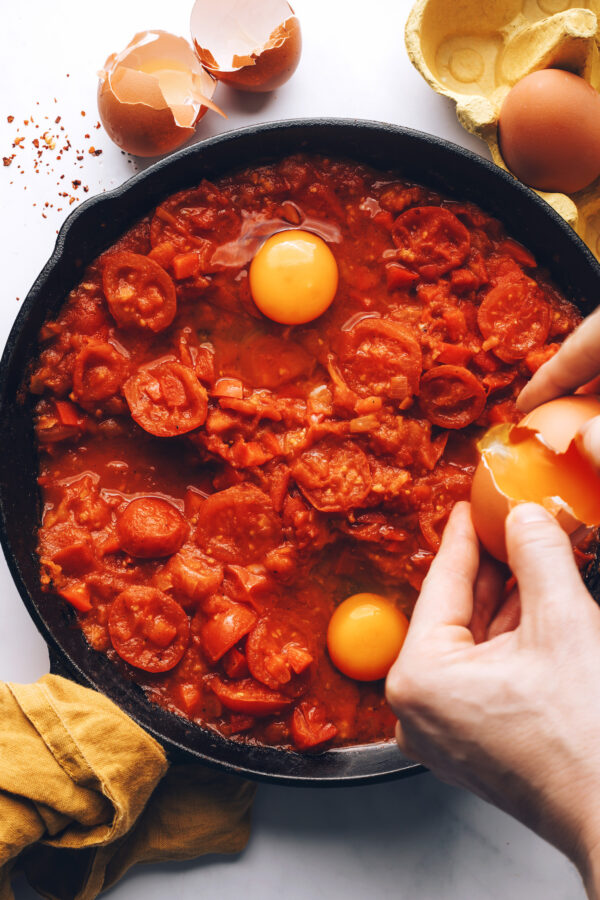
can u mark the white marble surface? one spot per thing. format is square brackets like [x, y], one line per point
[414, 839]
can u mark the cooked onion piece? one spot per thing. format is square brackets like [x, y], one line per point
[252, 46]
[152, 95]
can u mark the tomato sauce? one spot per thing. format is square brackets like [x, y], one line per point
[215, 483]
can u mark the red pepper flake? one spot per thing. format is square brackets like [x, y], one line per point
[57, 119]
[35, 142]
[97, 125]
[79, 158]
[76, 183]
[8, 159]
[87, 137]
[93, 152]
[83, 112]
[10, 119]
[18, 141]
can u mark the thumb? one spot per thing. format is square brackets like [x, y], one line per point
[590, 441]
[541, 558]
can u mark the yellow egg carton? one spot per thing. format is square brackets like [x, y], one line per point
[474, 51]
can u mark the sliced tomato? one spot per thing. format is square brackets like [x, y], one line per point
[333, 475]
[278, 653]
[148, 629]
[375, 352]
[250, 697]
[514, 318]
[151, 527]
[238, 525]
[140, 294]
[222, 631]
[431, 239]
[451, 396]
[166, 398]
[98, 373]
[310, 727]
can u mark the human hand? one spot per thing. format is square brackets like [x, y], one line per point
[516, 717]
[576, 364]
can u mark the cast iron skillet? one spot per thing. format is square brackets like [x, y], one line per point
[93, 227]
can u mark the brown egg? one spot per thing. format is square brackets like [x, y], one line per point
[152, 95]
[549, 131]
[251, 46]
[536, 461]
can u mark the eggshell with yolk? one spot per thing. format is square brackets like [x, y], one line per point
[557, 421]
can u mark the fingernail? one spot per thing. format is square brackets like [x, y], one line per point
[529, 514]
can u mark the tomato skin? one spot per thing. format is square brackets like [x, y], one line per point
[165, 398]
[333, 475]
[451, 396]
[151, 527]
[431, 240]
[248, 696]
[238, 525]
[310, 727]
[148, 629]
[514, 318]
[139, 293]
[375, 351]
[98, 373]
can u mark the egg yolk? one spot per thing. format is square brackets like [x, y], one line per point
[365, 635]
[293, 277]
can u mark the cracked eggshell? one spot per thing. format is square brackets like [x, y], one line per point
[251, 46]
[152, 95]
[557, 423]
[474, 51]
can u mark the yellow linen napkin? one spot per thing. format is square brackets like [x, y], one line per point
[85, 794]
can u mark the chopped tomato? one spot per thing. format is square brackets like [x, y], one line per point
[166, 398]
[148, 629]
[139, 292]
[234, 664]
[431, 240]
[67, 413]
[310, 727]
[186, 265]
[451, 396]
[151, 527]
[78, 595]
[399, 277]
[225, 629]
[277, 652]
[248, 696]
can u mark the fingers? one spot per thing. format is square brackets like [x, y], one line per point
[507, 618]
[404, 744]
[447, 593]
[541, 558]
[590, 441]
[577, 362]
[488, 596]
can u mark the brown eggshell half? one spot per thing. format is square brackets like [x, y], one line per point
[138, 112]
[558, 421]
[252, 47]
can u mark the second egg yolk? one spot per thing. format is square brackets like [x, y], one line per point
[365, 635]
[293, 277]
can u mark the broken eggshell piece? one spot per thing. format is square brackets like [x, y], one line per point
[152, 95]
[251, 46]
[536, 461]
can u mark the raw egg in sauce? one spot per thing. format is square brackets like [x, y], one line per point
[549, 131]
[365, 635]
[536, 461]
[293, 277]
